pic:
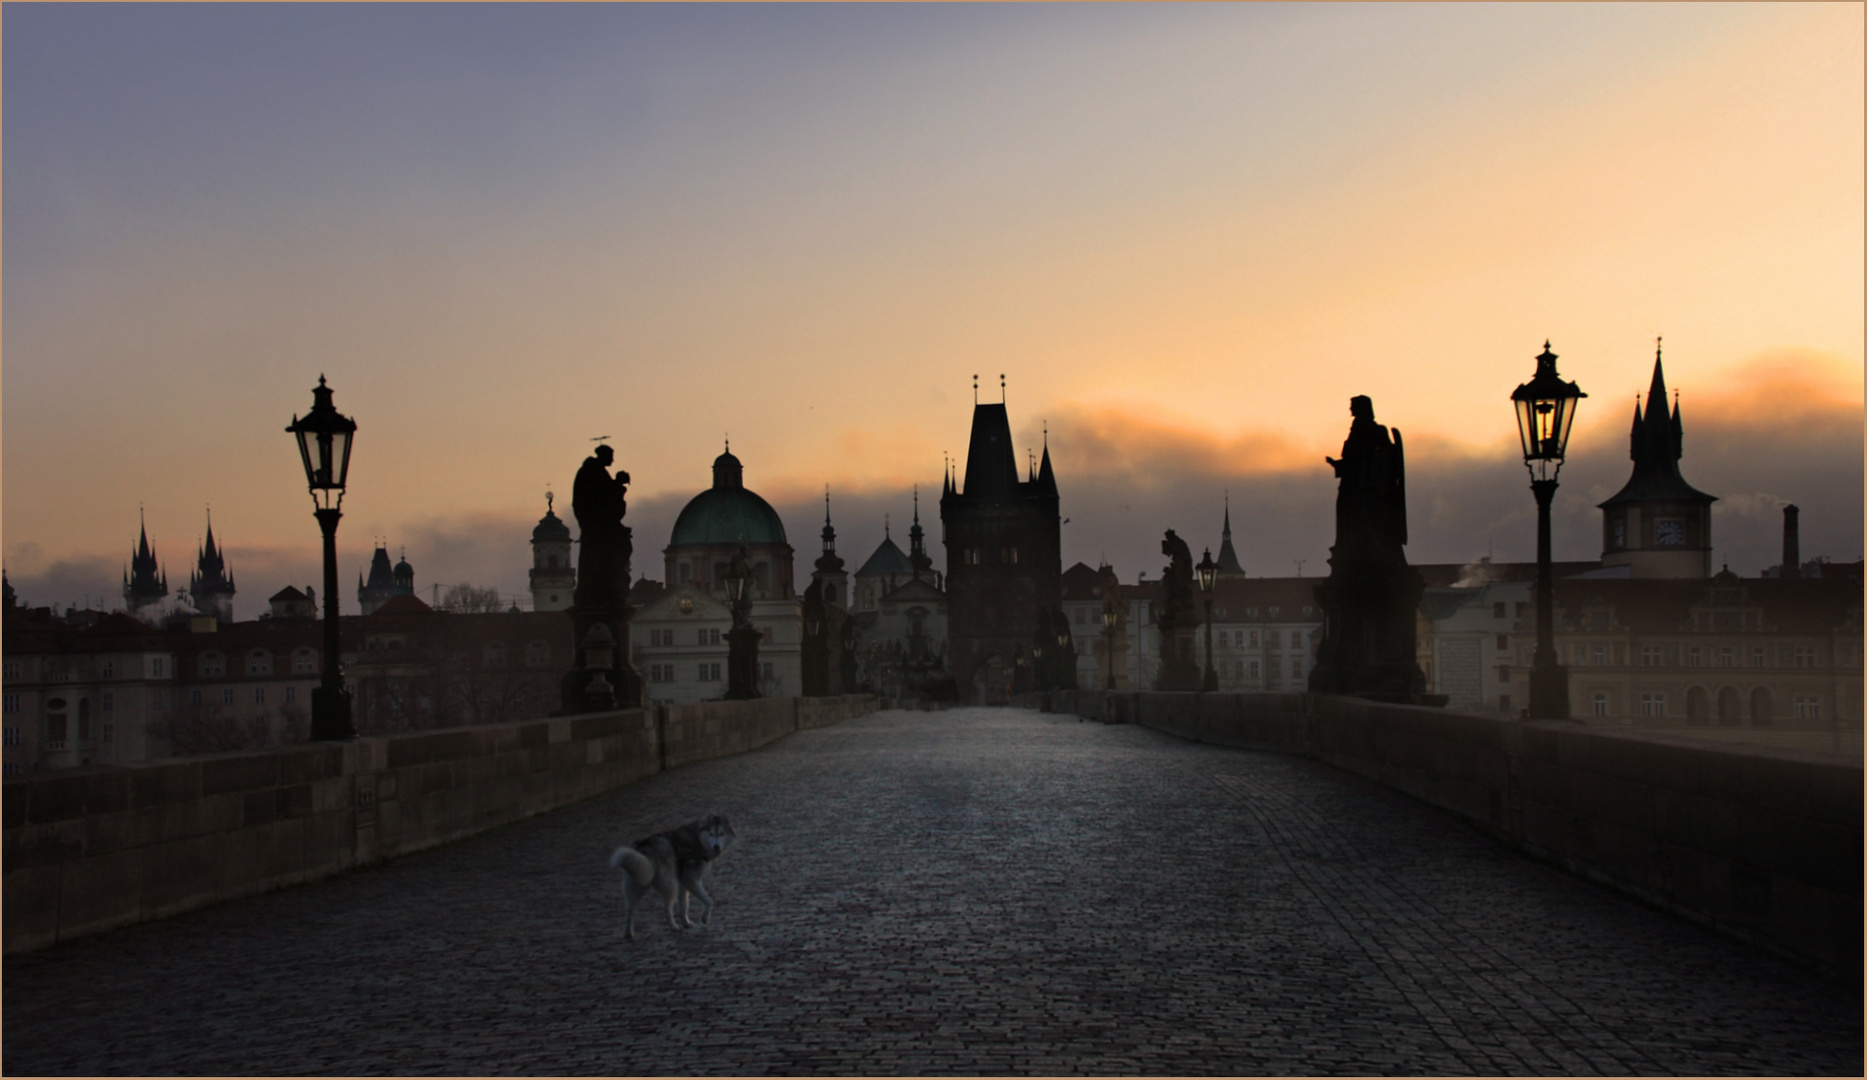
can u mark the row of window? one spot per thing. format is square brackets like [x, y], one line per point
[1801, 656]
[972, 556]
[1251, 669]
[67, 671]
[1808, 706]
[703, 635]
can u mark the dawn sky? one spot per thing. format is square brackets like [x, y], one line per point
[1186, 235]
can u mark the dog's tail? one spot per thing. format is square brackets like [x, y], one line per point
[634, 863]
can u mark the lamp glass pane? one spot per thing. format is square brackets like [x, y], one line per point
[304, 452]
[340, 456]
[1562, 430]
[1526, 428]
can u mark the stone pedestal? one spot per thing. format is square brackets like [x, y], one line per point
[1179, 663]
[624, 681]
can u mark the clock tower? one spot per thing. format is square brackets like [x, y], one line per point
[1658, 526]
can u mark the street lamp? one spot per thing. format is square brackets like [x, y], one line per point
[1208, 572]
[324, 440]
[1545, 413]
[1108, 635]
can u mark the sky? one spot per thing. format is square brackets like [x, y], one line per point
[1185, 235]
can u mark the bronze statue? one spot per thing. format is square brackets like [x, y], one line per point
[601, 600]
[1371, 595]
[1371, 501]
[599, 502]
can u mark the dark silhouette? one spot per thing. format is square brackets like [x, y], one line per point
[1004, 559]
[601, 598]
[1179, 619]
[599, 502]
[1371, 595]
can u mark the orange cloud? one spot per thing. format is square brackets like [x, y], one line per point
[1148, 449]
[1788, 387]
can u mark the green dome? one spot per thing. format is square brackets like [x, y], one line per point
[727, 513]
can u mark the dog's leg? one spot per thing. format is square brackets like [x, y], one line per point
[628, 908]
[706, 902]
[670, 895]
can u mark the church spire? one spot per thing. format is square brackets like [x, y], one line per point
[1228, 558]
[917, 541]
[1046, 477]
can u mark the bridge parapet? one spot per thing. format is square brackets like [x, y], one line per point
[1761, 843]
[86, 850]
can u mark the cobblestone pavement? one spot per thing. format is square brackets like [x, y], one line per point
[976, 891]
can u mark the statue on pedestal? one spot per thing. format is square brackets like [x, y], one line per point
[1371, 596]
[1179, 619]
[598, 502]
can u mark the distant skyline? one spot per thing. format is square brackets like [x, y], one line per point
[1185, 234]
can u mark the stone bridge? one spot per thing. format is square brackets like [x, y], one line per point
[973, 891]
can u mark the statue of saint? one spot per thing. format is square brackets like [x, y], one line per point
[1371, 501]
[598, 503]
[1177, 575]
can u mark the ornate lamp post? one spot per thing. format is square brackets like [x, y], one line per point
[324, 440]
[741, 640]
[1066, 659]
[1545, 413]
[1208, 572]
[1108, 635]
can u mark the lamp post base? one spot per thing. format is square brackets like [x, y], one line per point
[330, 714]
[1549, 691]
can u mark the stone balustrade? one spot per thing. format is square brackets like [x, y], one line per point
[1760, 843]
[89, 849]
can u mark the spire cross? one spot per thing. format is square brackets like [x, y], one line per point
[1001, 388]
[975, 389]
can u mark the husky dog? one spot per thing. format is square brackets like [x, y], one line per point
[671, 863]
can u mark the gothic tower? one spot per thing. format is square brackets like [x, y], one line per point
[144, 585]
[1658, 526]
[385, 582]
[211, 585]
[554, 572]
[1004, 559]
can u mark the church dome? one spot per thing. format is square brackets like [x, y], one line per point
[728, 512]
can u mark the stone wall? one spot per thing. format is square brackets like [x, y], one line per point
[86, 850]
[1762, 844]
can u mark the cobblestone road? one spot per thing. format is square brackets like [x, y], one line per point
[976, 891]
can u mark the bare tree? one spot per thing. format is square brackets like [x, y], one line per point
[468, 599]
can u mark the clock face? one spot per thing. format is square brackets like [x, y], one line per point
[1669, 533]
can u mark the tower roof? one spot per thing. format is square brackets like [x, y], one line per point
[991, 464]
[1228, 559]
[888, 560]
[550, 527]
[1656, 444]
[382, 575]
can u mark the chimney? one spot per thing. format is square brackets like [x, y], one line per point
[1792, 543]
